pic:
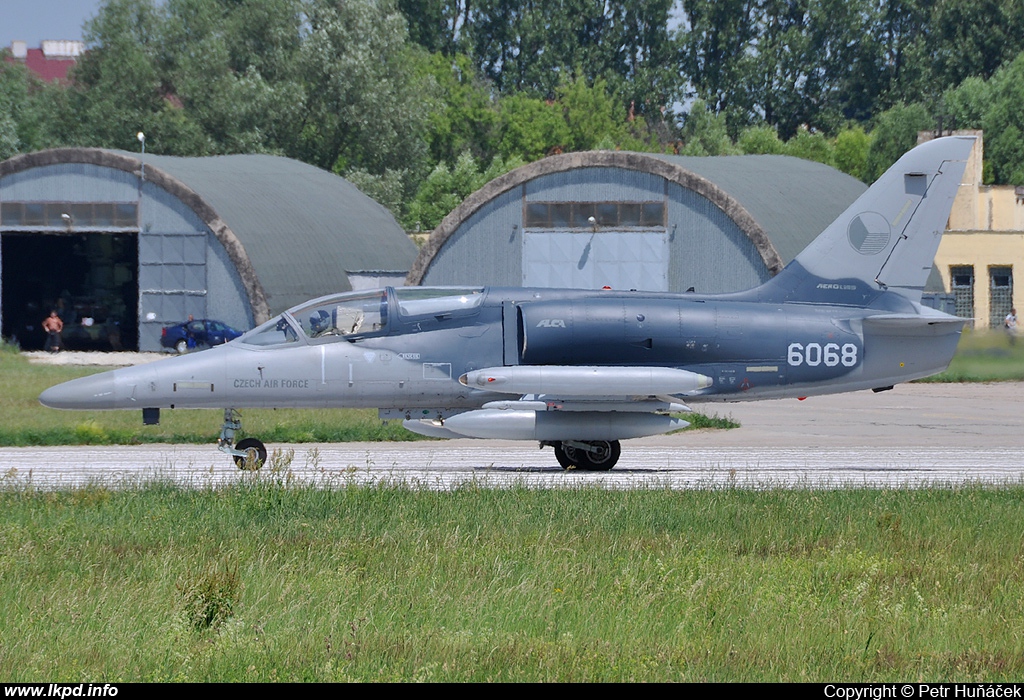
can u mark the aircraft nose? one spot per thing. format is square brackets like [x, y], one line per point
[95, 392]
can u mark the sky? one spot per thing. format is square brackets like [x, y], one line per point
[35, 20]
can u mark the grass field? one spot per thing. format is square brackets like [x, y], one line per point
[986, 356]
[24, 422]
[264, 582]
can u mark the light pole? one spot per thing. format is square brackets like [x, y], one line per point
[138, 215]
[142, 139]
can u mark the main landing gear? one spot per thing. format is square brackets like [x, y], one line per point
[591, 456]
[249, 454]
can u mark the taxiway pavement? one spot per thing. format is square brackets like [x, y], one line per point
[914, 435]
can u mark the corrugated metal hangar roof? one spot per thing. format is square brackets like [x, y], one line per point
[303, 228]
[792, 199]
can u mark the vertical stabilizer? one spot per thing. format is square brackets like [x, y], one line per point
[887, 239]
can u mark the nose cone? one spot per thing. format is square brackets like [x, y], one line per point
[95, 392]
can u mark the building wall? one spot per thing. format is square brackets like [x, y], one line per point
[487, 248]
[986, 234]
[983, 251]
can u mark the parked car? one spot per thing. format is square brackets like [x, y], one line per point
[189, 335]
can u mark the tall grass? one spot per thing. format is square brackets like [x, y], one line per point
[390, 584]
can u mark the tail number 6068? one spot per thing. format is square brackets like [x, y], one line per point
[814, 354]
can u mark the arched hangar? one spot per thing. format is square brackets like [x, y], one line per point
[136, 242]
[637, 221]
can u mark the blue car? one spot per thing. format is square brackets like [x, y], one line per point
[190, 335]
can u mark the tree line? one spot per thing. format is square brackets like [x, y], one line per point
[420, 102]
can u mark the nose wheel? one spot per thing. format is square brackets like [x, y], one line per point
[249, 454]
[593, 456]
[254, 454]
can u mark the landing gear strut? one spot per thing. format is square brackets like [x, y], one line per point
[249, 454]
[591, 456]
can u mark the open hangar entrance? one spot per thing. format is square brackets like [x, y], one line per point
[80, 259]
[90, 279]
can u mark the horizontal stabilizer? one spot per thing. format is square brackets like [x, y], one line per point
[896, 321]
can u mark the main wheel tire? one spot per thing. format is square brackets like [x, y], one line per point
[255, 454]
[570, 457]
[181, 346]
[599, 461]
[563, 458]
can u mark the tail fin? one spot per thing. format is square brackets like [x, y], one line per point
[884, 241]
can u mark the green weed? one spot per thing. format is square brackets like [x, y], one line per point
[209, 596]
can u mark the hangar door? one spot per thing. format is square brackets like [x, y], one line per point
[172, 282]
[589, 245]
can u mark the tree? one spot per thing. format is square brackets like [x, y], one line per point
[531, 128]
[533, 46]
[705, 134]
[715, 51]
[1004, 124]
[118, 90]
[592, 115]
[437, 25]
[894, 134]
[810, 145]
[851, 151]
[760, 139]
[974, 38]
[966, 104]
[364, 108]
[233, 65]
[445, 188]
[466, 117]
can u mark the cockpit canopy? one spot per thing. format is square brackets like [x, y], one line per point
[360, 314]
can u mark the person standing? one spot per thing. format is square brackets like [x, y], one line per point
[53, 327]
[1010, 325]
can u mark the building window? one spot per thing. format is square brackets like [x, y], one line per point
[65, 215]
[577, 215]
[962, 278]
[1000, 299]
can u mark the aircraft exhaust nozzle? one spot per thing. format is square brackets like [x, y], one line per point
[586, 381]
[532, 425]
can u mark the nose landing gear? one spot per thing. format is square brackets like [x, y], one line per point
[249, 453]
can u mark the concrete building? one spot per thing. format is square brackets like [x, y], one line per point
[51, 62]
[135, 243]
[983, 245]
[636, 221]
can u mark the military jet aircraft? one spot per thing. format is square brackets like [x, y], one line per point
[580, 370]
